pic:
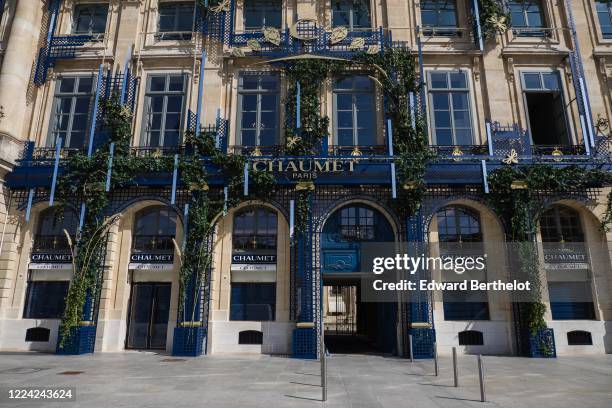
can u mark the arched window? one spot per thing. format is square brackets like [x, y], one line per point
[255, 230]
[458, 226]
[357, 223]
[561, 224]
[50, 234]
[253, 293]
[154, 229]
[569, 284]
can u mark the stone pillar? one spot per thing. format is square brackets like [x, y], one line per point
[16, 68]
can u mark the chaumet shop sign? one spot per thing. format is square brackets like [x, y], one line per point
[145, 261]
[46, 261]
[303, 169]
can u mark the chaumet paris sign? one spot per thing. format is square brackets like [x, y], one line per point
[303, 169]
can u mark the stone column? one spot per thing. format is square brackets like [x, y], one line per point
[20, 57]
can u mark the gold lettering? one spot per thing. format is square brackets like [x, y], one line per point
[256, 166]
[303, 167]
[322, 167]
[337, 166]
[351, 166]
[291, 166]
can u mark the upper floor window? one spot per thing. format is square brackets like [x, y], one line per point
[353, 14]
[450, 108]
[545, 108]
[439, 17]
[90, 19]
[71, 106]
[527, 17]
[175, 20]
[164, 105]
[50, 234]
[154, 229]
[354, 112]
[604, 14]
[255, 230]
[262, 13]
[458, 224]
[258, 114]
[561, 224]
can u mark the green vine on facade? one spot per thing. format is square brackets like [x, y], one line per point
[494, 18]
[513, 194]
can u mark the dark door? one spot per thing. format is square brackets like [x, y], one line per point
[148, 320]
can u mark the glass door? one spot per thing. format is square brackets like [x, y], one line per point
[148, 320]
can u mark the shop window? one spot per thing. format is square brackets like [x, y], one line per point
[250, 337]
[354, 111]
[253, 301]
[37, 334]
[352, 14]
[604, 15]
[90, 19]
[175, 20]
[459, 225]
[71, 111]
[258, 99]
[450, 108]
[471, 338]
[545, 108]
[255, 231]
[439, 17]
[164, 111]
[50, 236]
[154, 230]
[561, 224]
[570, 295]
[579, 338]
[527, 18]
[45, 299]
[262, 13]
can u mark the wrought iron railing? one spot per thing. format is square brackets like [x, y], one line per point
[558, 150]
[372, 150]
[156, 151]
[315, 40]
[458, 151]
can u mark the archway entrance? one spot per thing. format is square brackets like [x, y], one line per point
[351, 324]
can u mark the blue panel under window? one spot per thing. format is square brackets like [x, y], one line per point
[571, 301]
[253, 301]
[45, 300]
[471, 305]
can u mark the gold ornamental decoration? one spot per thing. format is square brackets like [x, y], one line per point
[239, 51]
[357, 44]
[373, 49]
[457, 153]
[512, 158]
[272, 35]
[499, 23]
[256, 152]
[253, 44]
[292, 141]
[305, 185]
[557, 153]
[338, 34]
[356, 151]
[224, 5]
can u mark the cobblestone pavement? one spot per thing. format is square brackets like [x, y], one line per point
[144, 379]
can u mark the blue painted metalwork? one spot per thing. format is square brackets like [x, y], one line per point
[109, 171]
[200, 92]
[485, 175]
[577, 68]
[542, 344]
[80, 341]
[29, 207]
[174, 179]
[477, 26]
[246, 179]
[56, 47]
[94, 116]
[298, 109]
[58, 150]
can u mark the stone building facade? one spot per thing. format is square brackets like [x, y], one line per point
[543, 87]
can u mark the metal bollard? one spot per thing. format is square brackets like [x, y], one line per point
[436, 358]
[481, 378]
[410, 348]
[455, 371]
[323, 371]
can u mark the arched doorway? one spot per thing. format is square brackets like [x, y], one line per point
[351, 324]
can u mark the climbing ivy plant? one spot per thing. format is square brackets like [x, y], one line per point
[513, 191]
[494, 18]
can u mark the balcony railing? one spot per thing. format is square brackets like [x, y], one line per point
[280, 150]
[458, 151]
[315, 40]
[148, 151]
